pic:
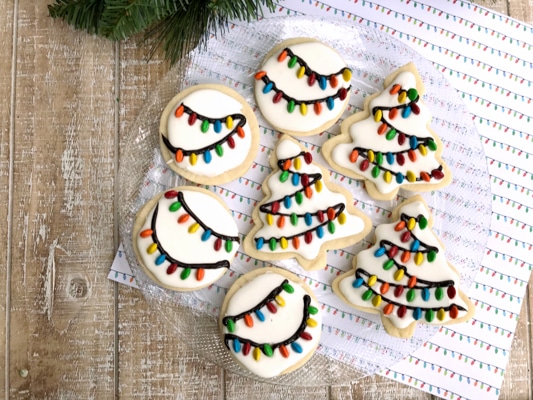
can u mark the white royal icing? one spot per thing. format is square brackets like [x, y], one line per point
[276, 328]
[213, 104]
[320, 58]
[188, 247]
[436, 271]
[364, 134]
[319, 201]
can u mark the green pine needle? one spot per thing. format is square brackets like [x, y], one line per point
[81, 14]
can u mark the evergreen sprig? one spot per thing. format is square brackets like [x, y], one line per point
[177, 25]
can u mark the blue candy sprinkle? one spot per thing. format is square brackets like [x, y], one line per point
[259, 243]
[236, 345]
[260, 316]
[217, 126]
[308, 219]
[160, 259]
[357, 283]
[296, 347]
[206, 235]
[330, 103]
[268, 87]
[379, 252]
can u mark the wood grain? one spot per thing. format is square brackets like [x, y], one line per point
[62, 239]
[67, 104]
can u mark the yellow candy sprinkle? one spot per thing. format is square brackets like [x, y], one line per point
[303, 109]
[347, 75]
[152, 248]
[423, 150]
[229, 122]
[301, 72]
[441, 314]
[402, 96]
[411, 223]
[297, 164]
[194, 227]
[311, 322]
[372, 280]
[318, 186]
[341, 218]
[269, 219]
[280, 300]
[283, 243]
[257, 353]
[193, 158]
[387, 176]
[398, 275]
[371, 156]
[376, 301]
[411, 177]
[378, 115]
[419, 258]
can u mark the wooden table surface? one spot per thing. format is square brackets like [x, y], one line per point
[67, 332]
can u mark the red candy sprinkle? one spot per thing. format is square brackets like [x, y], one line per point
[306, 336]
[218, 244]
[271, 307]
[171, 194]
[364, 165]
[398, 291]
[400, 159]
[231, 142]
[437, 174]
[308, 237]
[405, 236]
[414, 108]
[312, 79]
[393, 251]
[401, 311]
[451, 292]
[401, 138]
[343, 93]
[305, 180]
[320, 215]
[308, 158]
[275, 207]
[277, 97]
[172, 268]
[192, 118]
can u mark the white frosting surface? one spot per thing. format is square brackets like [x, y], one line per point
[276, 327]
[364, 134]
[213, 104]
[319, 201]
[438, 270]
[321, 59]
[188, 247]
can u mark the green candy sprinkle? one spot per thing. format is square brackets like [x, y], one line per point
[412, 94]
[219, 150]
[312, 310]
[205, 126]
[391, 134]
[430, 315]
[432, 145]
[231, 326]
[185, 273]
[423, 222]
[299, 197]
[432, 255]
[288, 288]
[267, 350]
[294, 219]
[367, 295]
[410, 296]
[388, 264]
[439, 293]
[284, 176]
[292, 61]
[331, 227]
[290, 106]
[379, 158]
[375, 171]
[175, 206]
[228, 245]
[272, 244]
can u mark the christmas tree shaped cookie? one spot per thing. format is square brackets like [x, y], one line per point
[405, 276]
[270, 322]
[303, 214]
[390, 143]
[302, 87]
[209, 134]
[185, 238]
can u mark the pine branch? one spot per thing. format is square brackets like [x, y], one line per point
[81, 14]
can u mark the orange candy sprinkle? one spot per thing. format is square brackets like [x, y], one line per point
[331, 213]
[282, 56]
[382, 129]
[184, 218]
[286, 165]
[400, 226]
[333, 81]
[425, 176]
[454, 312]
[395, 89]
[406, 255]
[296, 242]
[308, 192]
[200, 273]
[384, 288]
[354, 155]
[283, 351]
[248, 321]
[412, 155]
[179, 111]
[240, 132]
[388, 309]
[259, 75]
[393, 113]
[146, 233]
[281, 221]
[412, 282]
[318, 108]
[179, 156]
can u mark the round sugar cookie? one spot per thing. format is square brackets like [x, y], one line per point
[270, 322]
[302, 87]
[185, 238]
[209, 134]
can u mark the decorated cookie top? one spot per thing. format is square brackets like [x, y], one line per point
[303, 214]
[271, 322]
[208, 133]
[302, 87]
[390, 143]
[405, 275]
[187, 238]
